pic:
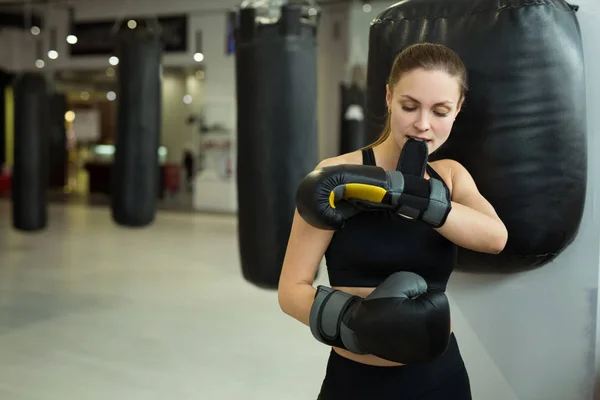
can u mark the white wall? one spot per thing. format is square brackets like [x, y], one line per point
[177, 135]
[588, 17]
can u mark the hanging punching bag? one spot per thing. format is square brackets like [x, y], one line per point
[522, 130]
[136, 170]
[276, 82]
[29, 181]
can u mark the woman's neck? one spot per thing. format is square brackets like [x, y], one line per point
[387, 154]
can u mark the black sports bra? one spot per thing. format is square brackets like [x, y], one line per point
[373, 245]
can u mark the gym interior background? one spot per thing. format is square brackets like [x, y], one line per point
[90, 310]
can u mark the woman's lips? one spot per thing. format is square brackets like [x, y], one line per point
[418, 138]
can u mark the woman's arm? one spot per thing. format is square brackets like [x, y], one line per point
[472, 222]
[304, 253]
[305, 250]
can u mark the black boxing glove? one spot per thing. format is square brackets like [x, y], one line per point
[401, 320]
[329, 196]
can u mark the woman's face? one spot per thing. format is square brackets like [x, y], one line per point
[423, 105]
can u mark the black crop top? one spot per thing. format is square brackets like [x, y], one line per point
[373, 245]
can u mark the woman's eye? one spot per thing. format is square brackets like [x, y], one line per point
[437, 113]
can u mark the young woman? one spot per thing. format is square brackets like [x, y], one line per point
[425, 91]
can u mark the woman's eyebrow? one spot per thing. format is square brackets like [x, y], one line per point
[441, 103]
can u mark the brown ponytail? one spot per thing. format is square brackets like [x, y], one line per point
[387, 130]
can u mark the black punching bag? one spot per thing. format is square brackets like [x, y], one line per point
[135, 175]
[30, 176]
[522, 131]
[276, 78]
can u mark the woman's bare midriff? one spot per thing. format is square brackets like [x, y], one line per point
[367, 358]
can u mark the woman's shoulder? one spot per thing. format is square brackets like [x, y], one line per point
[445, 169]
[354, 157]
[450, 171]
[449, 166]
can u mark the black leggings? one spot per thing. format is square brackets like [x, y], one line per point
[445, 378]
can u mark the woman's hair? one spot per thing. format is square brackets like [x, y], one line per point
[430, 57]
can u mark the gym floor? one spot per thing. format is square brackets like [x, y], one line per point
[90, 310]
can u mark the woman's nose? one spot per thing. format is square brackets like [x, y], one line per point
[422, 122]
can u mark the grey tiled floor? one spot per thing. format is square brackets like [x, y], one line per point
[90, 310]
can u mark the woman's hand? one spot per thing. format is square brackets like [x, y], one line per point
[472, 222]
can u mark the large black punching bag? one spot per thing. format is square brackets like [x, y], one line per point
[30, 164]
[276, 82]
[522, 130]
[135, 176]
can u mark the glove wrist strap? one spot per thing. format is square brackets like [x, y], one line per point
[428, 201]
[439, 206]
[326, 319]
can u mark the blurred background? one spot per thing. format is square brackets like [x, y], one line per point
[75, 50]
[90, 309]
[93, 309]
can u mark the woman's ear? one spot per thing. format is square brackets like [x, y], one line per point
[459, 107]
